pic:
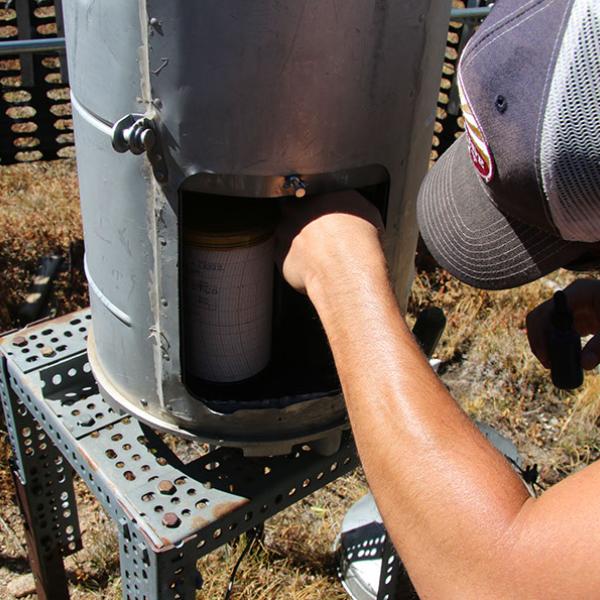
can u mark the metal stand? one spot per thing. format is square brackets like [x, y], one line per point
[369, 567]
[169, 514]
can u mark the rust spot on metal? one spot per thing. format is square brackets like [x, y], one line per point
[19, 341]
[66, 318]
[199, 522]
[6, 334]
[225, 508]
[93, 466]
[42, 323]
[167, 543]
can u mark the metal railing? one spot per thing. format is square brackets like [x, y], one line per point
[32, 46]
[459, 14]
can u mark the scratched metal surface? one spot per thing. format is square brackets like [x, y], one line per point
[45, 475]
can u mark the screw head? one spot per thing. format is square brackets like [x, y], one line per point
[170, 520]
[19, 341]
[47, 352]
[86, 420]
[166, 487]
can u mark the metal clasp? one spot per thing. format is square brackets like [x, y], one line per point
[134, 133]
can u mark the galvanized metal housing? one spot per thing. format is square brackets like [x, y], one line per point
[236, 98]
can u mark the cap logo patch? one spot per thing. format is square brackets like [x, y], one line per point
[479, 149]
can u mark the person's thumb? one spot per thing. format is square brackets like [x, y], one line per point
[590, 356]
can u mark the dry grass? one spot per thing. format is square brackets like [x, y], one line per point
[487, 365]
[39, 215]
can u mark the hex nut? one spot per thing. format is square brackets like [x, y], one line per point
[19, 341]
[166, 487]
[85, 420]
[170, 520]
[47, 352]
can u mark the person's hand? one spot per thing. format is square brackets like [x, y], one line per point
[333, 235]
[583, 298]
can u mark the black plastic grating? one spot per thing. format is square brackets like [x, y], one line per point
[448, 126]
[35, 109]
[449, 123]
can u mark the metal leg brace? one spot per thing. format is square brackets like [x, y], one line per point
[44, 489]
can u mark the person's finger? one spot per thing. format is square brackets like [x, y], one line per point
[583, 298]
[537, 332]
[590, 356]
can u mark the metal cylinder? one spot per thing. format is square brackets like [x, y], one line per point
[181, 103]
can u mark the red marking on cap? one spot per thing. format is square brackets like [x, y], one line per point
[482, 163]
[479, 149]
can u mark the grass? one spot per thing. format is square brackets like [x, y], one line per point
[486, 364]
[39, 215]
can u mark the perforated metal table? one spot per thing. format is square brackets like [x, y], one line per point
[169, 514]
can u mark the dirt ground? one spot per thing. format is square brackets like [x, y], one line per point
[485, 362]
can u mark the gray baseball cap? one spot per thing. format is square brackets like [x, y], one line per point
[518, 195]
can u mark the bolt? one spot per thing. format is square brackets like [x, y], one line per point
[156, 25]
[19, 341]
[171, 520]
[299, 187]
[85, 420]
[166, 487]
[47, 352]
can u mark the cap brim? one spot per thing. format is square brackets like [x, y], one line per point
[472, 239]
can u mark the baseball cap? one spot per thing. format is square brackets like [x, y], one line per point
[518, 195]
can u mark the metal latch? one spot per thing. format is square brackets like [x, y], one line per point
[134, 133]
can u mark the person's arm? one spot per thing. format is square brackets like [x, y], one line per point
[460, 518]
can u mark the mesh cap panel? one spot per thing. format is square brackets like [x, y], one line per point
[570, 146]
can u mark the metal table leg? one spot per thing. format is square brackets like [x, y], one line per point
[44, 489]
